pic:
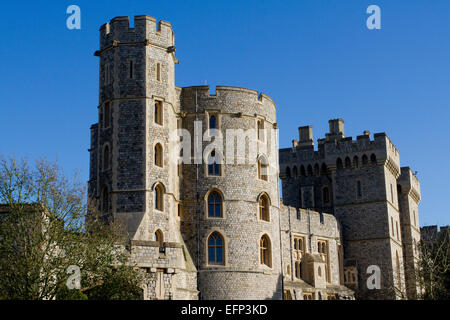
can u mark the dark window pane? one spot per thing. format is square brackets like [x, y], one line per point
[219, 254]
[217, 211]
[212, 122]
[211, 210]
[211, 256]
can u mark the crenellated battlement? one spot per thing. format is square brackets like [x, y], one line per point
[336, 149]
[146, 31]
[234, 98]
[409, 183]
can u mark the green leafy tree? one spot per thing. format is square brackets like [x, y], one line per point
[45, 227]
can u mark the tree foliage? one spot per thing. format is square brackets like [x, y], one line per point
[433, 271]
[45, 227]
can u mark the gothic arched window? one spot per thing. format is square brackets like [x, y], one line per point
[216, 249]
[264, 206]
[373, 159]
[214, 205]
[288, 172]
[265, 251]
[364, 160]
[262, 168]
[348, 163]
[213, 165]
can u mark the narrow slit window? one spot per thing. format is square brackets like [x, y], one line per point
[158, 113]
[359, 189]
[158, 72]
[131, 69]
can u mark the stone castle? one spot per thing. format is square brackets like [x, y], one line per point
[216, 228]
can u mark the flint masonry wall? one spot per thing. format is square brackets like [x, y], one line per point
[242, 276]
[136, 71]
[312, 226]
[362, 178]
[409, 198]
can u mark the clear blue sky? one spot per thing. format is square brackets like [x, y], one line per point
[315, 58]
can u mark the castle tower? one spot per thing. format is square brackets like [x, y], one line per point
[132, 179]
[231, 210]
[408, 198]
[357, 182]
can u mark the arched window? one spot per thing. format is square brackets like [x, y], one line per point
[158, 112]
[106, 160]
[323, 169]
[373, 160]
[295, 172]
[265, 251]
[264, 206]
[288, 172]
[213, 165]
[216, 249]
[316, 170]
[364, 160]
[214, 205]
[262, 168]
[159, 197]
[158, 155]
[348, 163]
[309, 170]
[326, 195]
[339, 163]
[158, 237]
[212, 122]
[105, 199]
[355, 162]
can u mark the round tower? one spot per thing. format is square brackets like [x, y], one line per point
[231, 199]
